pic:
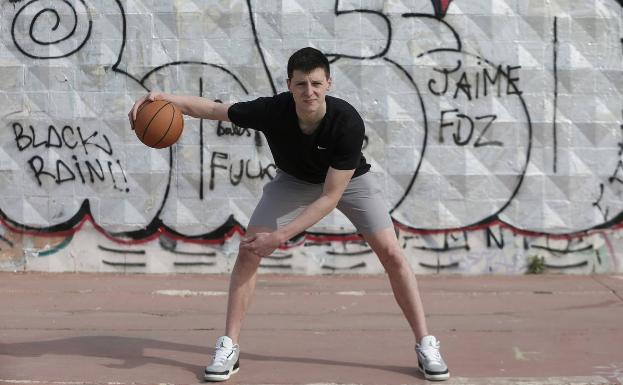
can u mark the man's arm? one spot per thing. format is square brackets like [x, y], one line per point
[264, 244]
[194, 106]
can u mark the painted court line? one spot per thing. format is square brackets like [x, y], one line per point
[190, 293]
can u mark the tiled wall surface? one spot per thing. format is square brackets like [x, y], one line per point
[494, 127]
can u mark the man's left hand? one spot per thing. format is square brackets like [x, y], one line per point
[262, 244]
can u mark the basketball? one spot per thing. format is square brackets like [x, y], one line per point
[158, 124]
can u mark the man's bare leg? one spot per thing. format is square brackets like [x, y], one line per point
[241, 288]
[401, 277]
[385, 245]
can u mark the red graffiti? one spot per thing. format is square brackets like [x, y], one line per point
[441, 6]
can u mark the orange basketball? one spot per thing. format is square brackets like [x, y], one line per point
[158, 124]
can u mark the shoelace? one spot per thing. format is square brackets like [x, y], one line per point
[431, 353]
[221, 354]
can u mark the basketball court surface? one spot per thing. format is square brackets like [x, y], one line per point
[137, 329]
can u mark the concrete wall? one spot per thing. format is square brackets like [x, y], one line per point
[495, 128]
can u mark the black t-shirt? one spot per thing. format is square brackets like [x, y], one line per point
[336, 142]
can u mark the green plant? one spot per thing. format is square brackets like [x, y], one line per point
[536, 265]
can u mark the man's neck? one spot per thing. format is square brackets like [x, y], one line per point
[310, 121]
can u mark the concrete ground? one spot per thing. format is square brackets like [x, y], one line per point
[147, 329]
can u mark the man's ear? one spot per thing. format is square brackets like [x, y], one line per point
[288, 84]
[330, 83]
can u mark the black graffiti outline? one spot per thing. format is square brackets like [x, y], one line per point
[383, 52]
[170, 245]
[425, 139]
[156, 223]
[6, 240]
[615, 175]
[446, 245]
[566, 250]
[186, 264]
[201, 131]
[555, 107]
[121, 251]
[598, 201]
[86, 39]
[478, 142]
[259, 48]
[438, 267]
[521, 175]
[201, 157]
[336, 268]
[457, 38]
[498, 242]
[124, 264]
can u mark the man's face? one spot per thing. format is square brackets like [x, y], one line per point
[309, 89]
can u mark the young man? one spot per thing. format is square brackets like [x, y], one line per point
[316, 143]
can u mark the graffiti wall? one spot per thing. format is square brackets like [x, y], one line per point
[494, 127]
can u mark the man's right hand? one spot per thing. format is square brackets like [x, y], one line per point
[150, 97]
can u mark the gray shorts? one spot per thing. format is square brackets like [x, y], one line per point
[285, 197]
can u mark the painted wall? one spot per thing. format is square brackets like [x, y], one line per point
[494, 127]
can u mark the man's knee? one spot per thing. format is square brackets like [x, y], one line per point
[392, 259]
[248, 258]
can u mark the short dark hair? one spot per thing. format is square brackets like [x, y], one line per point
[308, 59]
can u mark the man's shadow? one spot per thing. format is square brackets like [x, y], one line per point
[132, 352]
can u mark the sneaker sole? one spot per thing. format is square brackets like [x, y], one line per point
[435, 377]
[219, 377]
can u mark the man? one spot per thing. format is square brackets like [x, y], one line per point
[316, 143]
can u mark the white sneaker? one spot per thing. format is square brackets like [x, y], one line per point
[430, 361]
[225, 361]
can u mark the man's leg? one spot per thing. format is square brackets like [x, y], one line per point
[404, 285]
[282, 199]
[225, 361]
[241, 288]
[363, 204]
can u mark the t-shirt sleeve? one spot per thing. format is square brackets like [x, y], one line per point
[347, 152]
[252, 114]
